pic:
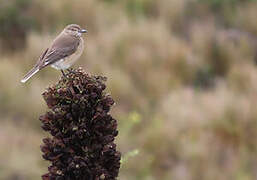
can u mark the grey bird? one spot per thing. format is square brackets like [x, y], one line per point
[66, 48]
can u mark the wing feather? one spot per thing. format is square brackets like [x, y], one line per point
[62, 47]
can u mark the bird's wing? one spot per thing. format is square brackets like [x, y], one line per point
[61, 48]
[58, 54]
[40, 60]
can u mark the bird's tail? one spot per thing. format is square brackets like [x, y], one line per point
[33, 71]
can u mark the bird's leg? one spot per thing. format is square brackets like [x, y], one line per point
[63, 73]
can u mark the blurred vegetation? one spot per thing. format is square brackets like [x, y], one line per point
[14, 23]
[183, 74]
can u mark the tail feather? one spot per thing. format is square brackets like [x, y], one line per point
[30, 74]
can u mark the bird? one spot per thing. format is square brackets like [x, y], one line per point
[65, 49]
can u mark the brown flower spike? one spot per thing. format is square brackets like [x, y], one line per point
[82, 146]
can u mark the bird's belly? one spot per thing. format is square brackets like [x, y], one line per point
[68, 61]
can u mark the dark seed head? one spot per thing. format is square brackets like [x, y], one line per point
[83, 132]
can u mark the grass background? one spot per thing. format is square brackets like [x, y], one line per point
[183, 74]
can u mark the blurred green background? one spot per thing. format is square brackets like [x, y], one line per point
[183, 74]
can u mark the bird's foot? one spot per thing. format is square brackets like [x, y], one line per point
[71, 71]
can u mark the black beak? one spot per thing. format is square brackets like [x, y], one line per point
[83, 31]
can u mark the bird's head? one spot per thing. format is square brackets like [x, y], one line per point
[74, 30]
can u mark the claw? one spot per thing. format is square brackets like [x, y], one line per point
[70, 71]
